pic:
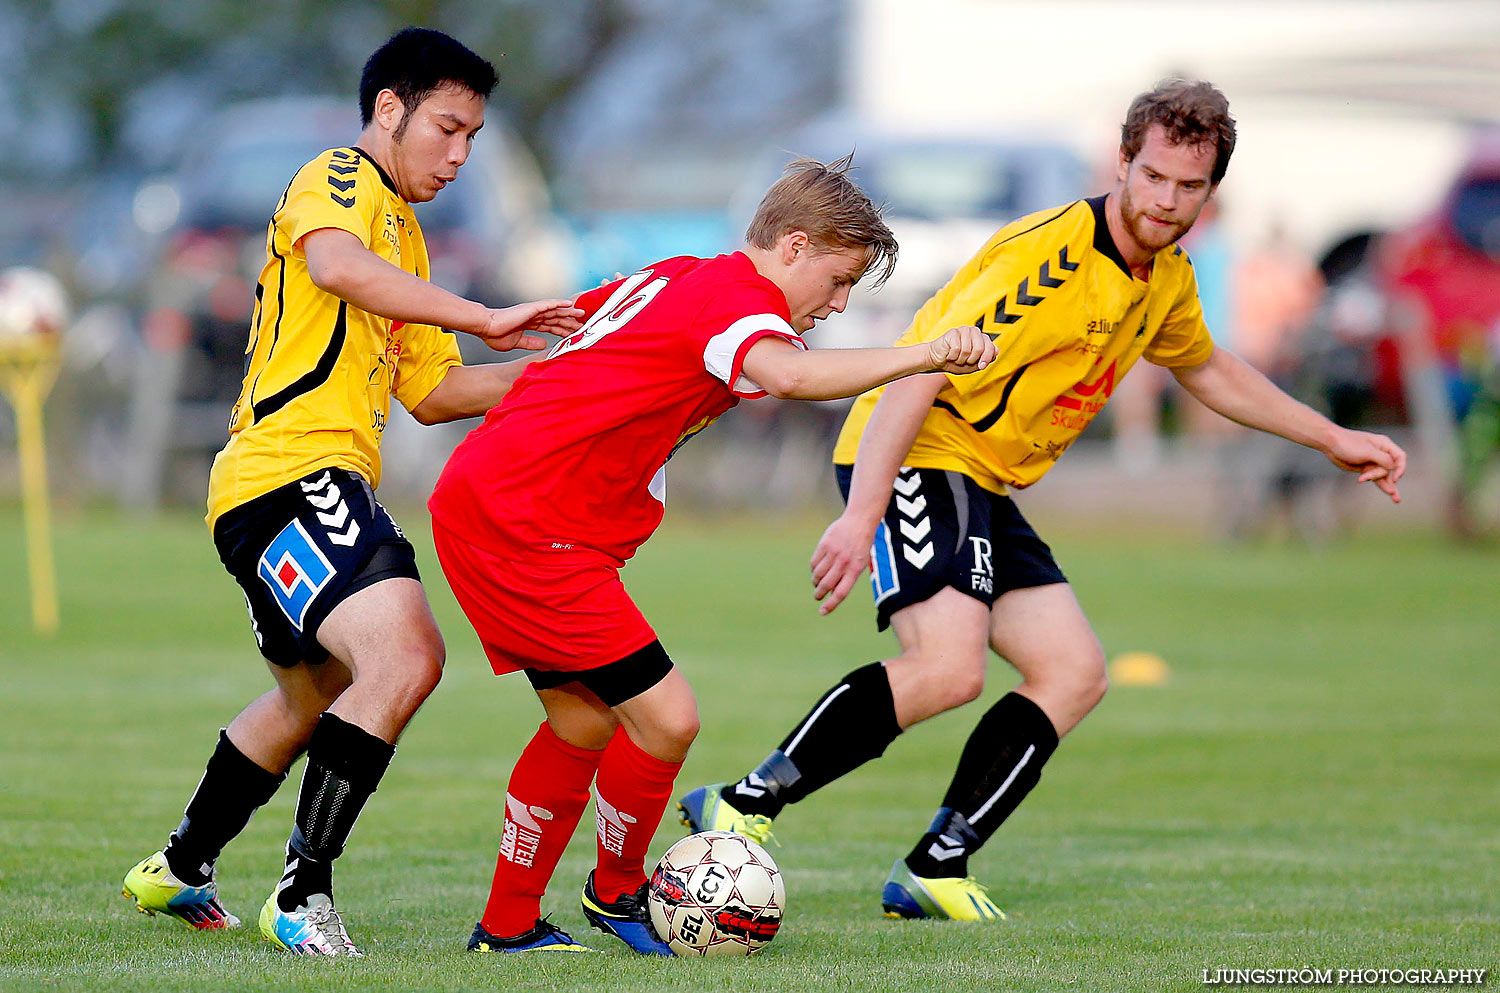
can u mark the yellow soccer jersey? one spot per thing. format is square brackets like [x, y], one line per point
[320, 373]
[1069, 320]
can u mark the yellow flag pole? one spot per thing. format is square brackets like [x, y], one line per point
[28, 368]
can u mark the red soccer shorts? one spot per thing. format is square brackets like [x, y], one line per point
[537, 606]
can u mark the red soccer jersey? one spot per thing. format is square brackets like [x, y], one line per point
[575, 455]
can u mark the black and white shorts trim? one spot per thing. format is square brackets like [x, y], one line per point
[942, 529]
[301, 550]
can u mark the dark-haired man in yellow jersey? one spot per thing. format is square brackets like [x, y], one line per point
[1073, 297]
[345, 318]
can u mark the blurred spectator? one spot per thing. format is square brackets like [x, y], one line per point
[1275, 291]
[1443, 275]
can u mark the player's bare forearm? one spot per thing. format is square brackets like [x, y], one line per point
[339, 264]
[1227, 385]
[469, 390]
[887, 438]
[789, 373]
[843, 553]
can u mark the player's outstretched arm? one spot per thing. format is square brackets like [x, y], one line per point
[339, 264]
[789, 373]
[470, 390]
[843, 553]
[1227, 385]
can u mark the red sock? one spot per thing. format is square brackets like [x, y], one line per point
[632, 792]
[548, 790]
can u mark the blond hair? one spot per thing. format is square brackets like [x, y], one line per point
[823, 201]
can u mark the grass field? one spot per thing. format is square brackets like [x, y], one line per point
[1314, 786]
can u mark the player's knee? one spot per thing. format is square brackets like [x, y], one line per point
[424, 670]
[681, 728]
[965, 686]
[1089, 679]
[959, 676]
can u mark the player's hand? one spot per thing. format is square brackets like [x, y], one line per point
[842, 554]
[961, 350]
[1375, 457]
[506, 329]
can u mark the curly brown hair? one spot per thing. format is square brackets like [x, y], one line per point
[823, 201]
[1190, 111]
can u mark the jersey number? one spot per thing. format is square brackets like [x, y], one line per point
[624, 303]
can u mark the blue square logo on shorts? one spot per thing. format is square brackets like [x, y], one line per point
[296, 571]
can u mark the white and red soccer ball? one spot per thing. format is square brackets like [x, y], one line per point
[716, 893]
[32, 302]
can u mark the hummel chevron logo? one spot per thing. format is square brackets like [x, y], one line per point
[906, 487]
[945, 848]
[326, 500]
[1023, 295]
[918, 557]
[1045, 279]
[316, 484]
[348, 538]
[338, 518]
[1023, 298]
[918, 531]
[911, 508]
[342, 170]
[341, 201]
[753, 785]
[342, 185]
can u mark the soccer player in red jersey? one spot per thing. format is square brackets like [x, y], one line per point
[541, 505]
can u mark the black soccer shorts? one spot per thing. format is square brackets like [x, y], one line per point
[301, 550]
[943, 529]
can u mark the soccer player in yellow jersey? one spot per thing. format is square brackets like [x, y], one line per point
[1073, 297]
[345, 318]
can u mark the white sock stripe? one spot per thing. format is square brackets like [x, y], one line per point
[1030, 750]
[814, 718]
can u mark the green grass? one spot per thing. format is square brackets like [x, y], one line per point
[1314, 786]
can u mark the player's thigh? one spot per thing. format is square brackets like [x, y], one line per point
[943, 655]
[311, 687]
[948, 630]
[662, 720]
[385, 627]
[578, 716]
[300, 551]
[1043, 632]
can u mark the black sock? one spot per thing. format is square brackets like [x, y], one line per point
[1000, 764]
[344, 765]
[851, 724]
[228, 795]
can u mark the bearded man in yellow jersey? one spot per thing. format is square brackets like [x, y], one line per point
[345, 318]
[1073, 297]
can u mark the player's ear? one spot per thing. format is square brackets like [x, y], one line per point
[794, 245]
[1122, 165]
[389, 110]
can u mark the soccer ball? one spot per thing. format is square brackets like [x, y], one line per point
[31, 302]
[716, 893]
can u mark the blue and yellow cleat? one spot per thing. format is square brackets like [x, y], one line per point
[156, 891]
[313, 929]
[953, 899]
[705, 809]
[544, 937]
[627, 918]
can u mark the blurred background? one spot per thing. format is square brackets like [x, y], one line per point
[1352, 253]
